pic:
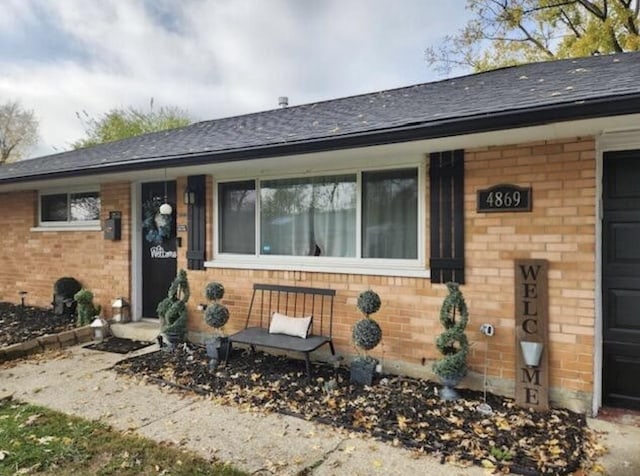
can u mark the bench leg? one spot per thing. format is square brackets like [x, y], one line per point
[308, 364]
[253, 350]
[333, 351]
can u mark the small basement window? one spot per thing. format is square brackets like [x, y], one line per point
[76, 208]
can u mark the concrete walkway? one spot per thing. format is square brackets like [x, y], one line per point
[79, 383]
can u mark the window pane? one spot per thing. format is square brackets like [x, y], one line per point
[85, 206]
[309, 216]
[53, 207]
[390, 214]
[237, 211]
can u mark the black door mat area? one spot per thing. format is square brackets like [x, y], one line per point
[118, 345]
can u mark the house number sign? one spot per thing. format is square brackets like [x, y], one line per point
[504, 198]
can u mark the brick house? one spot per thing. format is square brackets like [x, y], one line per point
[374, 191]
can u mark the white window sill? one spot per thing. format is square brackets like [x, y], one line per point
[409, 270]
[68, 228]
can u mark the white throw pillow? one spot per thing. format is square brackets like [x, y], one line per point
[291, 326]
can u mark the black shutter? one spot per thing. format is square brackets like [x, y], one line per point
[446, 179]
[197, 222]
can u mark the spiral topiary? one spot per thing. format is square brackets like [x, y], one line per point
[172, 310]
[453, 343]
[214, 291]
[366, 333]
[216, 316]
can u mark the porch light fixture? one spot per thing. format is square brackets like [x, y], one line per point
[189, 196]
[120, 310]
[100, 329]
[531, 352]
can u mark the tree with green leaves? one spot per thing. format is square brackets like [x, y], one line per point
[122, 123]
[509, 32]
[18, 131]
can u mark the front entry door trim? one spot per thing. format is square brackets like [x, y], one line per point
[605, 142]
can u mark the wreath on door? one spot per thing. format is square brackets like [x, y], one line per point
[156, 225]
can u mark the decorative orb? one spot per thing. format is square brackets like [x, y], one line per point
[166, 209]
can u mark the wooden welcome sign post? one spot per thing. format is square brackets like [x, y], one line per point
[532, 335]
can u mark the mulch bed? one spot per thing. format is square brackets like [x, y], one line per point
[19, 324]
[119, 345]
[403, 411]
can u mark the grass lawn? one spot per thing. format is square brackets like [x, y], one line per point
[35, 440]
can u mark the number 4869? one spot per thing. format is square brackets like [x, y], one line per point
[504, 199]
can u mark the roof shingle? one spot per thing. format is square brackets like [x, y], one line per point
[478, 96]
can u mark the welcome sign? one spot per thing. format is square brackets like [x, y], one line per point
[532, 323]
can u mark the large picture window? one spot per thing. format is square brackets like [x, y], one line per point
[70, 208]
[308, 216]
[369, 215]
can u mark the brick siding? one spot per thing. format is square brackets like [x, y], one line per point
[561, 229]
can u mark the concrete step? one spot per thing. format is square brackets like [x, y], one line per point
[146, 329]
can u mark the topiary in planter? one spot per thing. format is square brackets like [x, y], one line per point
[86, 309]
[452, 343]
[366, 334]
[216, 315]
[172, 310]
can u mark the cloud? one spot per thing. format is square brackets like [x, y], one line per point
[213, 58]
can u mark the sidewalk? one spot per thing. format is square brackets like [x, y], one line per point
[82, 385]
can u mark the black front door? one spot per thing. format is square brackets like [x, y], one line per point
[159, 251]
[621, 279]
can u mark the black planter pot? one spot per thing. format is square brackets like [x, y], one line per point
[217, 348]
[362, 371]
[448, 391]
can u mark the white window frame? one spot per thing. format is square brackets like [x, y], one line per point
[356, 265]
[82, 225]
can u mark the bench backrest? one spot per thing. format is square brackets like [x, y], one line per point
[294, 301]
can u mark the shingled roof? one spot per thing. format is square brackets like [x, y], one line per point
[505, 98]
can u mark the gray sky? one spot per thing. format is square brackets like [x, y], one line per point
[214, 58]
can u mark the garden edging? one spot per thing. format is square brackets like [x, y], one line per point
[46, 342]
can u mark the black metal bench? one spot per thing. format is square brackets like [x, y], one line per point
[291, 301]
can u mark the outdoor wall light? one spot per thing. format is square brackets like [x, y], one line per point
[120, 310]
[100, 329]
[189, 196]
[531, 352]
[23, 295]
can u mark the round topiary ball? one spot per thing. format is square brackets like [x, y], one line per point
[366, 333]
[214, 291]
[216, 316]
[369, 302]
